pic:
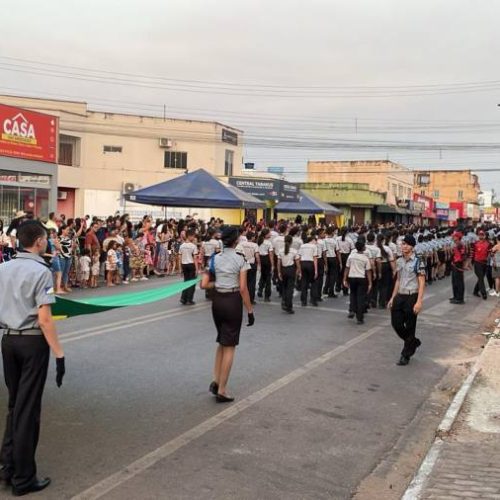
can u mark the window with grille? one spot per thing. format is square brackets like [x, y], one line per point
[175, 159]
[65, 154]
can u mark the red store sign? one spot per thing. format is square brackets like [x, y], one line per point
[28, 134]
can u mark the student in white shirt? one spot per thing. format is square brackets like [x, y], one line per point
[333, 262]
[250, 250]
[288, 269]
[266, 255]
[346, 246]
[308, 253]
[358, 277]
[387, 270]
[188, 251]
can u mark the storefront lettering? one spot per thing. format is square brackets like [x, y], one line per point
[19, 128]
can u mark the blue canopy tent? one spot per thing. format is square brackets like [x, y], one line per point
[307, 204]
[197, 189]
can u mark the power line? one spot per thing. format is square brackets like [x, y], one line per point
[141, 81]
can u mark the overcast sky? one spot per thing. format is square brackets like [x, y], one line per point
[351, 44]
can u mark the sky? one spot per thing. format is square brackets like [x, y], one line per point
[415, 82]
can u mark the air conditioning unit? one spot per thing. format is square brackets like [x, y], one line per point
[128, 187]
[62, 195]
[166, 143]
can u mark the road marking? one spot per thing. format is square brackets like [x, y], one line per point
[167, 449]
[136, 322]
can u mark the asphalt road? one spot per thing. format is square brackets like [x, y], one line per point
[320, 400]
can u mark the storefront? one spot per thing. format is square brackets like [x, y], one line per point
[28, 169]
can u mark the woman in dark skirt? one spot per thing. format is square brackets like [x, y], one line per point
[227, 275]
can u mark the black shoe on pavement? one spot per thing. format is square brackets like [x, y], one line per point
[267, 299]
[476, 294]
[37, 485]
[485, 296]
[191, 303]
[360, 322]
[403, 361]
[455, 301]
[315, 304]
[214, 388]
[351, 315]
[259, 294]
[290, 311]
[224, 399]
[303, 304]
[183, 302]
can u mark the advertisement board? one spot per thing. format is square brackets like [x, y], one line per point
[267, 189]
[28, 134]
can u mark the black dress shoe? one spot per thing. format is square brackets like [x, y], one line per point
[267, 299]
[214, 388]
[290, 311]
[37, 485]
[476, 294]
[403, 361]
[351, 315]
[315, 304]
[455, 301]
[303, 304]
[191, 303]
[221, 398]
[360, 322]
[485, 297]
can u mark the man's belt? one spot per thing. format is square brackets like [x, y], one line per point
[227, 290]
[27, 331]
[407, 292]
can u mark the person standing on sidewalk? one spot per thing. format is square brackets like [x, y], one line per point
[29, 333]
[407, 298]
[479, 257]
[458, 258]
[188, 251]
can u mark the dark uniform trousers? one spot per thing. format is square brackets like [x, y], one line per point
[340, 283]
[307, 281]
[25, 364]
[404, 322]
[189, 272]
[457, 280]
[317, 286]
[384, 284]
[251, 281]
[331, 276]
[480, 272]
[287, 286]
[358, 291]
[265, 276]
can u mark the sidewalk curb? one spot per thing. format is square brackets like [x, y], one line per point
[419, 481]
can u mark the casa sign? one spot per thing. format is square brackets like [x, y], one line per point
[28, 134]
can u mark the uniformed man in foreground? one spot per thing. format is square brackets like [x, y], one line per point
[26, 295]
[408, 297]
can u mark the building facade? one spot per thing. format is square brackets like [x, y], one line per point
[392, 180]
[104, 155]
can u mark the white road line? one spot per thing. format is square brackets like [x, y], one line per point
[136, 322]
[147, 461]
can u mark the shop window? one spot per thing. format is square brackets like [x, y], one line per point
[228, 162]
[175, 159]
[460, 195]
[400, 191]
[112, 149]
[394, 189]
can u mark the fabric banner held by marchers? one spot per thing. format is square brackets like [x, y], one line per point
[65, 307]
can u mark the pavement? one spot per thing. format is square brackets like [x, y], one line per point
[322, 409]
[468, 465]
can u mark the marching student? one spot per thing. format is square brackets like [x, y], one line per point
[308, 253]
[266, 254]
[332, 262]
[358, 278]
[386, 271]
[227, 275]
[251, 251]
[407, 298]
[288, 268]
[317, 287]
[188, 251]
[346, 246]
